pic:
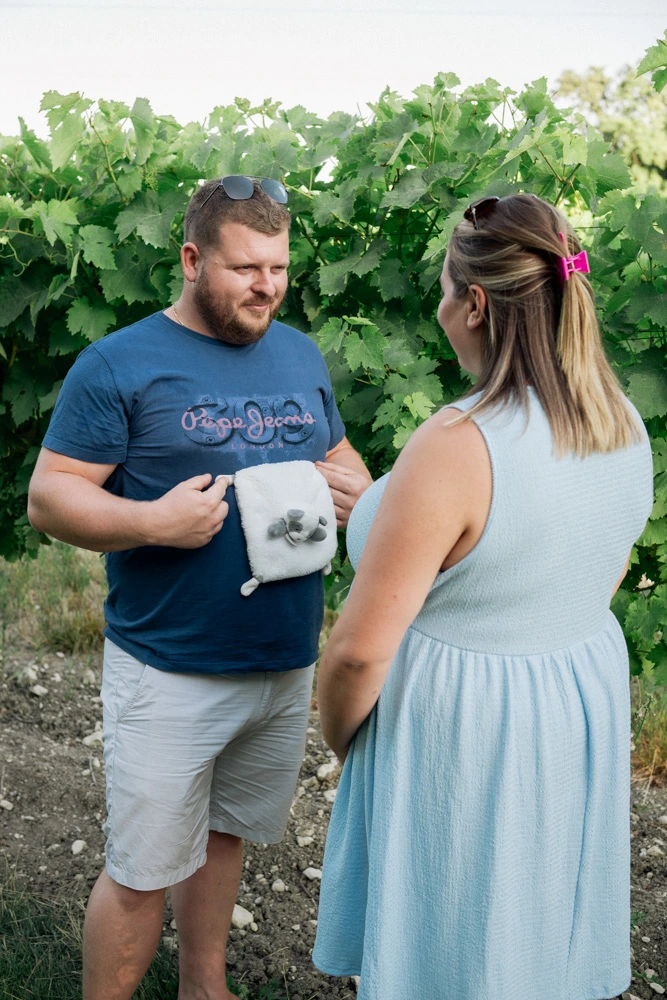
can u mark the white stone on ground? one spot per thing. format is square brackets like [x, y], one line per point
[657, 988]
[325, 771]
[312, 873]
[5, 804]
[38, 690]
[305, 841]
[78, 846]
[95, 736]
[330, 794]
[241, 918]
[278, 885]
[655, 852]
[27, 676]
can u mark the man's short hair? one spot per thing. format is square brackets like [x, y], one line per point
[201, 225]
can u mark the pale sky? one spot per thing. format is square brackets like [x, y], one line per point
[188, 57]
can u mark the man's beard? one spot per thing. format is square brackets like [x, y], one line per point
[223, 320]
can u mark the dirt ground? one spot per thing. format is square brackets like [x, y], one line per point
[52, 795]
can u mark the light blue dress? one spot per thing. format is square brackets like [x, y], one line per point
[479, 843]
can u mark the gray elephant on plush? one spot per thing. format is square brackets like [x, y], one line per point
[297, 526]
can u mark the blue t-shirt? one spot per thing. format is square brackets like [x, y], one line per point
[165, 403]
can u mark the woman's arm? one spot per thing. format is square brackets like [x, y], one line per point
[439, 493]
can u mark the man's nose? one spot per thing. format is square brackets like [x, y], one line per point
[264, 283]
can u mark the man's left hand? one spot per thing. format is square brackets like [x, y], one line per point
[346, 487]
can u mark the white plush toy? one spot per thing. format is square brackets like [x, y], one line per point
[288, 520]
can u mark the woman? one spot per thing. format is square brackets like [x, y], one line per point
[479, 842]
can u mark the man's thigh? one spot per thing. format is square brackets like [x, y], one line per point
[163, 733]
[255, 775]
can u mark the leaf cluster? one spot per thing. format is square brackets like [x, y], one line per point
[90, 233]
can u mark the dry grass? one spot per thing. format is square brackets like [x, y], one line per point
[54, 601]
[649, 730]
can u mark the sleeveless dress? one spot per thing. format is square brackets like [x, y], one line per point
[479, 844]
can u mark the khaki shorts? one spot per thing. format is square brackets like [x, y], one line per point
[189, 753]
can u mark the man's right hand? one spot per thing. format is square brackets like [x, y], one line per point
[189, 515]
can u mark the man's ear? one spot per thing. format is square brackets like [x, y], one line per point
[190, 261]
[477, 310]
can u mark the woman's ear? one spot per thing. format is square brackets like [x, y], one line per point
[477, 307]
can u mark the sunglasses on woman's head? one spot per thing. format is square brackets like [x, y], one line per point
[480, 209]
[241, 188]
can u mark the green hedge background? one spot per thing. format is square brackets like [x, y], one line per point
[90, 230]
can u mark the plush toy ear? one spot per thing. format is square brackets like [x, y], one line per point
[323, 520]
[318, 535]
[277, 528]
[296, 513]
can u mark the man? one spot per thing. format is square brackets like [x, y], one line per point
[205, 692]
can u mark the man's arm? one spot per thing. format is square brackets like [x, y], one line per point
[66, 499]
[347, 476]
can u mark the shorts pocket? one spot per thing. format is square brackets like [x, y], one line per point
[123, 677]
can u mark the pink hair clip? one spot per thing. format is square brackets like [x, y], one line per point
[568, 265]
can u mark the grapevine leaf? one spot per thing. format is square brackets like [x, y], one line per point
[366, 351]
[388, 413]
[36, 147]
[330, 336]
[333, 277]
[311, 303]
[655, 533]
[144, 129]
[58, 219]
[660, 504]
[115, 111]
[16, 294]
[404, 432]
[655, 62]
[131, 280]
[330, 203]
[176, 281]
[609, 169]
[48, 401]
[659, 448]
[96, 243]
[92, 321]
[645, 616]
[392, 281]
[419, 405]
[407, 192]
[648, 391]
[19, 391]
[649, 300]
[369, 260]
[67, 124]
[59, 282]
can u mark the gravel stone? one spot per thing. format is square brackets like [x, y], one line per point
[313, 873]
[241, 918]
[78, 846]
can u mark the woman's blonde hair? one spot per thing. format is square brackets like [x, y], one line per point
[538, 332]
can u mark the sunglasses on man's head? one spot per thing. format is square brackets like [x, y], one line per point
[241, 188]
[480, 209]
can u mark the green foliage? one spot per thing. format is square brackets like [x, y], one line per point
[90, 243]
[628, 111]
[655, 63]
